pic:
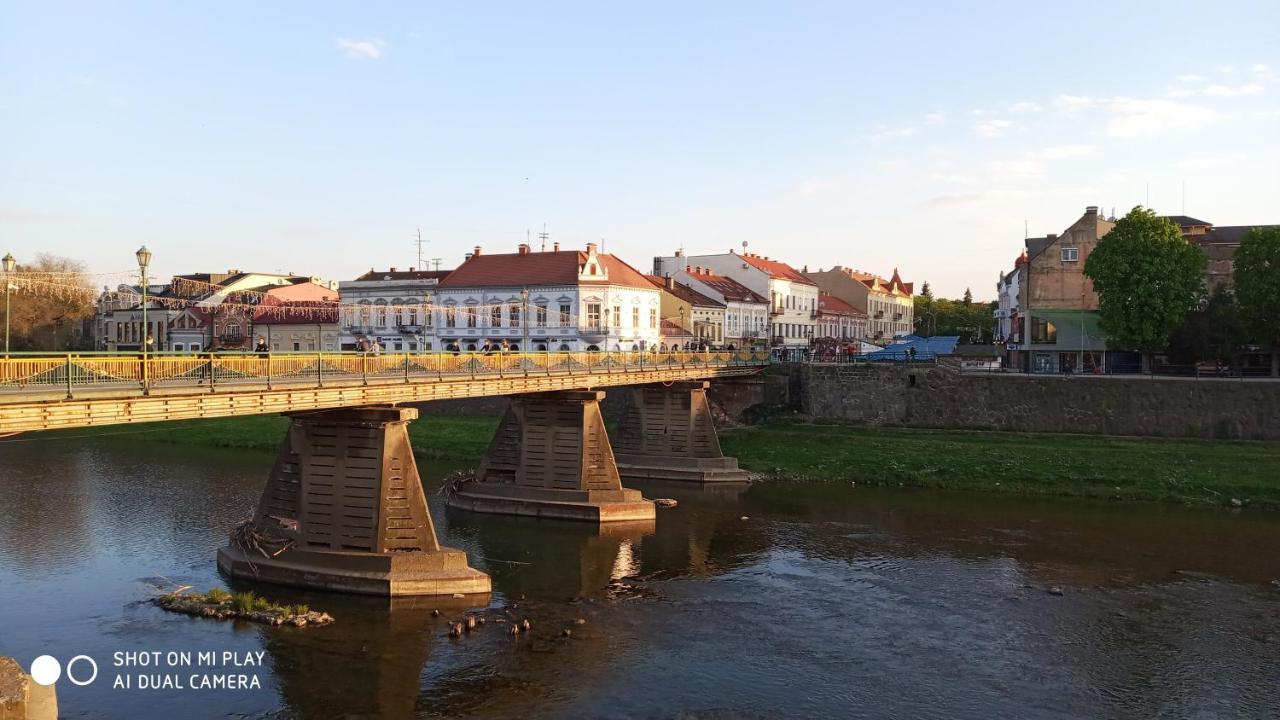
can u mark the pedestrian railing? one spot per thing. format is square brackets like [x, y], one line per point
[37, 373]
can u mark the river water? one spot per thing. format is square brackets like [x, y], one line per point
[786, 600]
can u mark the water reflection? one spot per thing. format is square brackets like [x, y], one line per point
[778, 600]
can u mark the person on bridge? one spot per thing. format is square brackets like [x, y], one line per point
[261, 347]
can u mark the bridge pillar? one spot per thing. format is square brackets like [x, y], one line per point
[344, 510]
[551, 458]
[667, 433]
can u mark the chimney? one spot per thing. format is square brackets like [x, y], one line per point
[1051, 236]
[680, 253]
[555, 246]
[476, 252]
[392, 270]
[591, 248]
[524, 248]
[1091, 210]
[671, 282]
[412, 269]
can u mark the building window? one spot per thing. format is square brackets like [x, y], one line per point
[450, 316]
[593, 315]
[495, 316]
[413, 315]
[1043, 332]
[653, 318]
[380, 313]
[541, 312]
[473, 315]
[399, 314]
[513, 316]
[617, 316]
[231, 330]
[1070, 254]
[635, 318]
[565, 315]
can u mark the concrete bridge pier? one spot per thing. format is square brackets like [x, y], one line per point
[344, 510]
[667, 434]
[551, 458]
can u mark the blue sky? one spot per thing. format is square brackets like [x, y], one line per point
[315, 138]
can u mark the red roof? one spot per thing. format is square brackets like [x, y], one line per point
[728, 287]
[776, 269]
[831, 305]
[875, 282]
[560, 267]
[684, 292]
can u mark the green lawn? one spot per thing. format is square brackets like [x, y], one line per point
[1192, 471]
[1189, 471]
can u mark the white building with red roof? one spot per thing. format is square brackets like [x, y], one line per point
[554, 300]
[791, 296]
[838, 320]
[889, 304]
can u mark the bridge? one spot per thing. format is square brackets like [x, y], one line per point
[343, 508]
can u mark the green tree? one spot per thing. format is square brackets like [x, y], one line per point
[1147, 278]
[1257, 280]
[1214, 332]
[925, 291]
[968, 297]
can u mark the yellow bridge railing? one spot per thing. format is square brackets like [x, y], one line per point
[69, 374]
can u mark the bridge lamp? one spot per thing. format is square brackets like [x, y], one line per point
[524, 318]
[144, 259]
[9, 265]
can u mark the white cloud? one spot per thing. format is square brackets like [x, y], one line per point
[812, 186]
[893, 133]
[1026, 107]
[992, 128]
[953, 178]
[1014, 169]
[1144, 118]
[1072, 103]
[935, 118]
[1229, 91]
[1226, 69]
[1190, 78]
[1062, 152]
[362, 49]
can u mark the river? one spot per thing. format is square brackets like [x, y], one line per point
[786, 600]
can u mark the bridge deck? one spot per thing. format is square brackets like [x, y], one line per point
[46, 392]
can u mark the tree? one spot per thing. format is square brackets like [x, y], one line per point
[1214, 332]
[51, 305]
[968, 297]
[1147, 278]
[1257, 280]
[925, 291]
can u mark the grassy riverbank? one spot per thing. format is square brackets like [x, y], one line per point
[1188, 471]
[1204, 472]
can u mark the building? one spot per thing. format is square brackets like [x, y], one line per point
[792, 297]
[888, 304]
[302, 317]
[746, 314]
[557, 300]
[838, 320]
[391, 308]
[1007, 320]
[701, 315]
[1058, 304]
[118, 324]
[1219, 244]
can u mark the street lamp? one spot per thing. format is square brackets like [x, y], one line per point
[682, 326]
[524, 318]
[144, 259]
[9, 265]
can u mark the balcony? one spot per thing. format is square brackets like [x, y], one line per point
[776, 311]
[897, 316]
[879, 315]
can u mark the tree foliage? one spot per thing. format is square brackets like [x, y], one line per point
[1212, 333]
[926, 291]
[48, 321]
[1147, 278]
[1257, 281]
[940, 316]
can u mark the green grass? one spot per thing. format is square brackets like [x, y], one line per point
[1188, 471]
[443, 438]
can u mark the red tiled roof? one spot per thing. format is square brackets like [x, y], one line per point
[728, 287]
[832, 305]
[684, 292]
[559, 267]
[776, 269]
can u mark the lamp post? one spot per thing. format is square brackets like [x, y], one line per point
[144, 259]
[9, 265]
[682, 326]
[524, 318]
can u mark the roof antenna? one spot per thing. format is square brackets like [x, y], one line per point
[436, 263]
[419, 243]
[1026, 229]
[543, 237]
[744, 247]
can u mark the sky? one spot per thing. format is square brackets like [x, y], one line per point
[318, 138]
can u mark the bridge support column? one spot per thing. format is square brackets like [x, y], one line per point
[551, 458]
[344, 510]
[667, 433]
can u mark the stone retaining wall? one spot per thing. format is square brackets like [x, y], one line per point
[942, 397]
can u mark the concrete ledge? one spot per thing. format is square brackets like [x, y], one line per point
[392, 574]
[21, 698]
[598, 506]
[691, 470]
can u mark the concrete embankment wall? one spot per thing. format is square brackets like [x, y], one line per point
[941, 397]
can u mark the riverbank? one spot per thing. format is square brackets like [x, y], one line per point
[1197, 472]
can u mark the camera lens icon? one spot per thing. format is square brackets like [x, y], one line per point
[45, 670]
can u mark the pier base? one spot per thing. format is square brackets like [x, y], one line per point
[344, 510]
[667, 433]
[551, 458]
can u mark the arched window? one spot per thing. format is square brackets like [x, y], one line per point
[364, 313]
[564, 348]
[380, 313]
[399, 310]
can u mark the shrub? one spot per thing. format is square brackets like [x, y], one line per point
[217, 596]
[244, 602]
